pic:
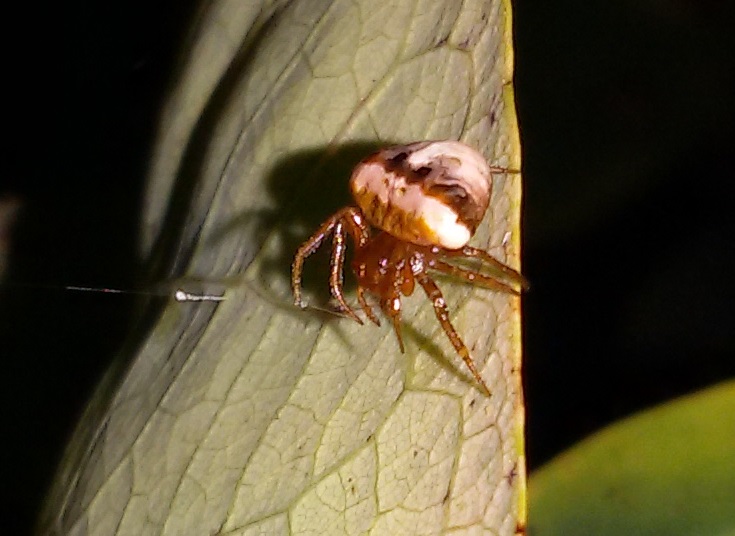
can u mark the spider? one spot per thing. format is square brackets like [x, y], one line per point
[426, 199]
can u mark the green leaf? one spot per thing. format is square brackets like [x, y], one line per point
[668, 471]
[252, 417]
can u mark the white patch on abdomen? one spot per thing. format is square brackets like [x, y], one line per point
[393, 191]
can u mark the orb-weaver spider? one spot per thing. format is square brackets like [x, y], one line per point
[427, 199]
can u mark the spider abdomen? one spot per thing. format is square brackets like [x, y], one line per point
[427, 193]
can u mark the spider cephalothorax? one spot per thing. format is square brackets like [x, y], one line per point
[427, 199]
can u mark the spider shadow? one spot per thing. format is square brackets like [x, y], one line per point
[432, 348]
[306, 188]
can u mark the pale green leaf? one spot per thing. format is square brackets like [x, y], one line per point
[668, 471]
[252, 417]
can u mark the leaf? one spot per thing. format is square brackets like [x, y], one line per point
[669, 470]
[251, 417]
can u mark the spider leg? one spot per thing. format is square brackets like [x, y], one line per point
[473, 277]
[397, 329]
[359, 230]
[496, 169]
[392, 308]
[402, 280]
[356, 226]
[475, 253]
[336, 270]
[306, 249]
[442, 314]
[366, 306]
[347, 214]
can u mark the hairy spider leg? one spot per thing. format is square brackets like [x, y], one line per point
[360, 233]
[496, 169]
[336, 270]
[366, 306]
[355, 225]
[475, 253]
[391, 299]
[442, 314]
[306, 249]
[392, 308]
[397, 329]
[472, 276]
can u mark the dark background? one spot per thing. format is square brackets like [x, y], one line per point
[626, 117]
